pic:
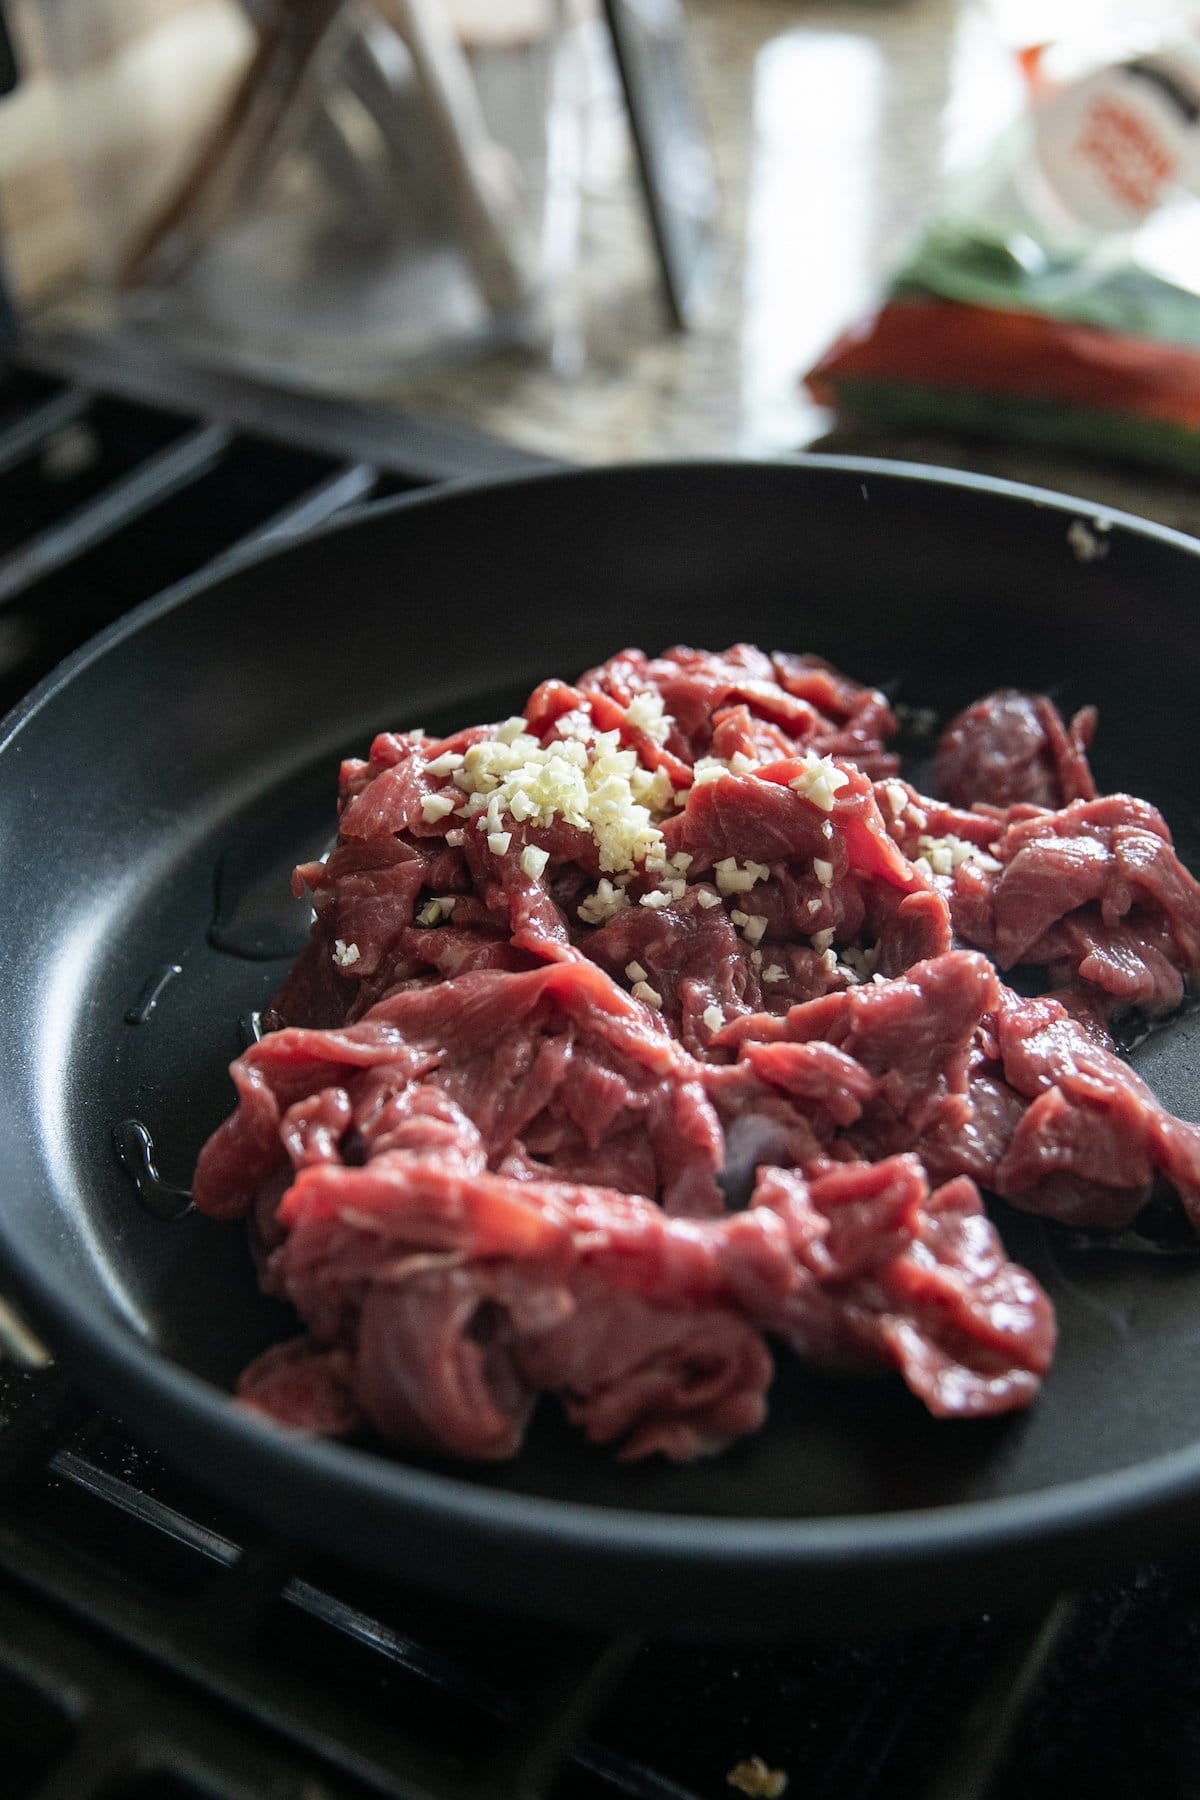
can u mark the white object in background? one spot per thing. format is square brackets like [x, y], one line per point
[1109, 149]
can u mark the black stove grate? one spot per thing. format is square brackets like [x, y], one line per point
[121, 474]
[155, 1642]
[157, 1645]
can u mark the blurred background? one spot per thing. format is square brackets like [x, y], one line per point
[595, 231]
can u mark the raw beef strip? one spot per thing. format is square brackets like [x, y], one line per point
[794, 701]
[753, 950]
[302, 1384]
[1095, 891]
[1094, 1138]
[1015, 1093]
[558, 1064]
[921, 1280]
[1061, 1125]
[879, 1065]
[462, 1295]
[1012, 746]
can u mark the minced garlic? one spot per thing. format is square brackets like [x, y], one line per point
[434, 911]
[446, 763]
[897, 797]
[604, 904]
[437, 806]
[732, 880]
[820, 781]
[942, 855]
[595, 786]
[645, 713]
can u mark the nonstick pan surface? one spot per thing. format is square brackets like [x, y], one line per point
[157, 789]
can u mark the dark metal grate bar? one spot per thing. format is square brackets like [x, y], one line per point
[227, 1674]
[890, 1720]
[129, 1499]
[99, 1757]
[210, 1651]
[230, 1609]
[547, 1735]
[50, 1411]
[214, 1645]
[121, 502]
[347, 488]
[124, 1728]
[39, 423]
[202, 1641]
[424, 449]
[990, 1729]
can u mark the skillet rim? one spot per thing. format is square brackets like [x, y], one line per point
[109, 1358]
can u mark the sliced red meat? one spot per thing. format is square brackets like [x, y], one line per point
[521, 1084]
[430, 1371]
[692, 957]
[1042, 883]
[464, 1294]
[305, 1385]
[861, 718]
[911, 928]
[974, 1145]
[679, 1383]
[1013, 747]
[560, 1056]
[913, 1034]
[1129, 964]
[917, 1279]
[1095, 889]
[1094, 1139]
[806, 701]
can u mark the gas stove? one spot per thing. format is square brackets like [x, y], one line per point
[155, 1643]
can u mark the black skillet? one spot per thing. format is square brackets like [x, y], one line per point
[154, 793]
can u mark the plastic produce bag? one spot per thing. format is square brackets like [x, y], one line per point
[1055, 294]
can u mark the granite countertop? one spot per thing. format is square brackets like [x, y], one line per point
[829, 121]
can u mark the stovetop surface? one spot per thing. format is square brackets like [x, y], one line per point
[155, 1643]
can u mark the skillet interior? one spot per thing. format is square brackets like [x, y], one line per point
[198, 751]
